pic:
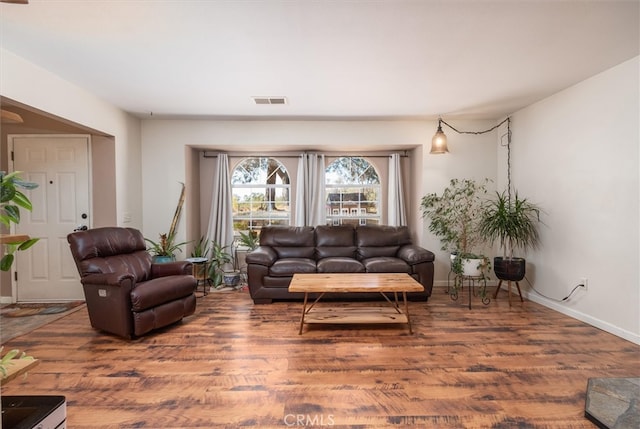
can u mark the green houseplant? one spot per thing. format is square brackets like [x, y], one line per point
[246, 243]
[455, 217]
[220, 259]
[201, 248]
[249, 239]
[11, 200]
[512, 222]
[165, 248]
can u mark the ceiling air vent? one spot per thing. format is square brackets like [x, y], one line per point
[270, 100]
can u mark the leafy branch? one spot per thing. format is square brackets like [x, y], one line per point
[11, 200]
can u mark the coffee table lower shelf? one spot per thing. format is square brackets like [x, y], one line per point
[363, 315]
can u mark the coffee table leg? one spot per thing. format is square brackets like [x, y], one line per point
[304, 310]
[406, 311]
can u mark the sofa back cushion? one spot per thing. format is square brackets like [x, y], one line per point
[289, 241]
[111, 250]
[335, 241]
[380, 240]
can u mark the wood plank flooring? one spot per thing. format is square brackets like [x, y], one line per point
[234, 365]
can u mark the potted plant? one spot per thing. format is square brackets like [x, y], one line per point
[246, 242]
[455, 217]
[513, 222]
[165, 249]
[249, 239]
[11, 200]
[200, 257]
[218, 267]
[201, 248]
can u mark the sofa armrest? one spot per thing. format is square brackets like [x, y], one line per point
[262, 255]
[413, 254]
[107, 279]
[176, 268]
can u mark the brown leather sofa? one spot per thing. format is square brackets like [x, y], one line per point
[284, 251]
[126, 293]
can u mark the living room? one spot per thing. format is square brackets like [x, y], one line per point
[574, 150]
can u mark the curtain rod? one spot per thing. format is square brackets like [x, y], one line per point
[209, 154]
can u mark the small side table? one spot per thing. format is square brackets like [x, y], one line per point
[201, 273]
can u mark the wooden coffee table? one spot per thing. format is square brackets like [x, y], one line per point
[383, 283]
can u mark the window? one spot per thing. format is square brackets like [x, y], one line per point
[353, 192]
[260, 190]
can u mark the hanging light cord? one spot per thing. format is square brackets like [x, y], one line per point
[508, 156]
[508, 134]
[474, 132]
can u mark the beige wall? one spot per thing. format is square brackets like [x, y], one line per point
[33, 86]
[69, 109]
[165, 160]
[577, 154]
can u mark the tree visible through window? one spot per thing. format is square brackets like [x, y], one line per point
[260, 188]
[353, 192]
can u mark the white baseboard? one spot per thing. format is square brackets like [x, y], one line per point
[597, 323]
[6, 300]
[600, 324]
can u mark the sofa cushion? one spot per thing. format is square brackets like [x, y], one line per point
[340, 265]
[287, 236]
[109, 250]
[380, 240]
[296, 252]
[287, 267]
[335, 241]
[385, 265]
[137, 263]
[289, 241]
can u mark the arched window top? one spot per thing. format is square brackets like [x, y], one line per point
[260, 171]
[260, 191]
[351, 170]
[353, 192]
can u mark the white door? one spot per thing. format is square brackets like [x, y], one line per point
[59, 164]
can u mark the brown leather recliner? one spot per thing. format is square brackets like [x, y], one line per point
[126, 293]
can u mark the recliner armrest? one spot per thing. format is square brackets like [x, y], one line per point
[413, 254]
[262, 255]
[107, 279]
[175, 268]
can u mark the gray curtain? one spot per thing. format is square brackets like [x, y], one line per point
[396, 214]
[221, 218]
[310, 194]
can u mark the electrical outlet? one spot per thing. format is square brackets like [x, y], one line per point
[585, 283]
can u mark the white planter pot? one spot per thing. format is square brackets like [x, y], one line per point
[472, 267]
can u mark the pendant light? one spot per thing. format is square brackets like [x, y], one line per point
[439, 141]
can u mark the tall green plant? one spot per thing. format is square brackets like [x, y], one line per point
[11, 200]
[455, 215]
[512, 221]
[219, 259]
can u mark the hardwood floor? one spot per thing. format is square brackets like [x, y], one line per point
[233, 364]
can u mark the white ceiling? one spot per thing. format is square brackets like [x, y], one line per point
[331, 59]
